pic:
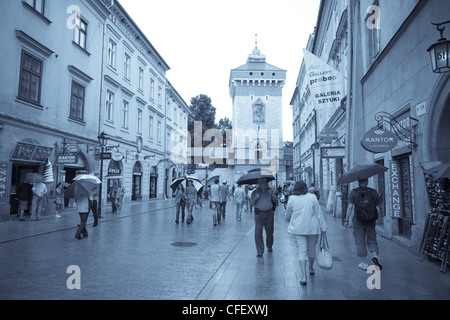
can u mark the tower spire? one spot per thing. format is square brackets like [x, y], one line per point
[256, 41]
[256, 55]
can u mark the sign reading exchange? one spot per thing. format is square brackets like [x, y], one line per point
[379, 140]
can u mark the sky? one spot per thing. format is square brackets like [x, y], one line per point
[202, 40]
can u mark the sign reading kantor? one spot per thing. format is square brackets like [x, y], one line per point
[379, 140]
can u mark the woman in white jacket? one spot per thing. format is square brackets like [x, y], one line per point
[306, 222]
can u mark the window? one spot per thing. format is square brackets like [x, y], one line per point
[127, 67]
[112, 54]
[81, 33]
[141, 79]
[152, 89]
[30, 78]
[150, 127]
[109, 112]
[38, 5]
[160, 96]
[139, 121]
[77, 101]
[175, 114]
[125, 112]
[158, 132]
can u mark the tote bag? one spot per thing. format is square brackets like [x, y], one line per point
[324, 258]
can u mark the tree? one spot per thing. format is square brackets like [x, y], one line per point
[204, 112]
[223, 125]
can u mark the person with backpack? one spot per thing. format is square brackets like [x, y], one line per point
[362, 212]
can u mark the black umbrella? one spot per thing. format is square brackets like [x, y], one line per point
[361, 171]
[34, 177]
[254, 175]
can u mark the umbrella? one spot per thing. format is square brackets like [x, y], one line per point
[80, 188]
[440, 171]
[34, 178]
[87, 177]
[361, 171]
[254, 175]
[196, 182]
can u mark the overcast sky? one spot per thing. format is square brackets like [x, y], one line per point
[202, 40]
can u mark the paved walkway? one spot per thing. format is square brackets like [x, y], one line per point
[143, 254]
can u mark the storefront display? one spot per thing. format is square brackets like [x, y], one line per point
[436, 237]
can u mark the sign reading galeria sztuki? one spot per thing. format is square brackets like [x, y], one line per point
[326, 83]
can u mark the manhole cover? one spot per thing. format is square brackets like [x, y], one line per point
[336, 259]
[184, 244]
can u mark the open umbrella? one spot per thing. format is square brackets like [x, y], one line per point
[33, 177]
[254, 175]
[83, 185]
[196, 182]
[361, 171]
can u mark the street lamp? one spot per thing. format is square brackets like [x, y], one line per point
[439, 51]
[102, 141]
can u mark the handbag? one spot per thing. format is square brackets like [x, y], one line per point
[324, 258]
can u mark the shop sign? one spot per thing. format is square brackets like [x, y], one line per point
[403, 147]
[332, 152]
[114, 171]
[27, 151]
[66, 159]
[396, 189]
[379, 140]
[72, 148]
[117, 156]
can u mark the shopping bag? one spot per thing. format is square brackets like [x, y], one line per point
[323, 257]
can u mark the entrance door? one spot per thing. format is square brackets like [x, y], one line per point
[19, 171]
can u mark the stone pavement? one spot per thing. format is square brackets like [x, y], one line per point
[142, 254]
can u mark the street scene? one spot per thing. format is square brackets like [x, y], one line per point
[253, 151]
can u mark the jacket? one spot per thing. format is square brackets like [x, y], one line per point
[304, 215]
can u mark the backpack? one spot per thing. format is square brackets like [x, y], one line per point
[365, 206]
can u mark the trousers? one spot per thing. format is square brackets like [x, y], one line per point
[264, 220]
[365, 238]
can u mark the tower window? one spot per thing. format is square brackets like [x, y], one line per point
[262, 73]
[251, 73]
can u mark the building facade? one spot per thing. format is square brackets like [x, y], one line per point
[74, 69]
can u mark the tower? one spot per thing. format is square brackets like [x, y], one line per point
[256, 94]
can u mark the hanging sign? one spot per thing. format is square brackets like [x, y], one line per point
[332, 152]
[396, 189]
[327, 85]
[379, 140]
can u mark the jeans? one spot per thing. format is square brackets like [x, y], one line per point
[82, 227]
[263, 220]
[93, 207]
[223, 208]
[36, 207]
[365, 238]
[182, 206]
[190, 208]
[118, 204]
[239, 208]
[215, 206]
[23, 205]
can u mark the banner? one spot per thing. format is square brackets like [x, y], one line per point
[327, 85]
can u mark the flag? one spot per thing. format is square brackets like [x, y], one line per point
[327, 85]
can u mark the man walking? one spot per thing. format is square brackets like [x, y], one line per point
[239, 198]
[361, 215]
[215, 202]
[264, 203]
[224, 194]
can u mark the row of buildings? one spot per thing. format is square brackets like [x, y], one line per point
[72, 70]
[380, 48]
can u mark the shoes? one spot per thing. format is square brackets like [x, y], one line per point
[100, 217]
[176, 221]
[377, 263]
[95, 224]
[269, 249]
[79, 237]
[363, 265]
[303, 283]
[259, 255]
[21, 219]
[311, 272]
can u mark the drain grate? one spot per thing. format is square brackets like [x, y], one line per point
[184, 244]
[336, 258]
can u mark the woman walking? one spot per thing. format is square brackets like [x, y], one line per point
[191, 199]
[59, 199]
[180, 201]
[306, 222]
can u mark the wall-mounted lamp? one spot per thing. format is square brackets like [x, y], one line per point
[439, 51]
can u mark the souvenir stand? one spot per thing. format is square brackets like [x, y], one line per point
[436, 236]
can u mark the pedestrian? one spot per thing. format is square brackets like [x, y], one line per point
[83, 211]
[180, 201]
[265, 204]
[361, 215]
[239, 198]
[247, 198]
[191, 199]
[306, 222]
[119, 194]
[39, 190]
[112, 196]
[93, 206]
[59, 199]
[224, 194]
[312, 189]
[199, 198]
[287, 191]
[23, 195]
[215, 202]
